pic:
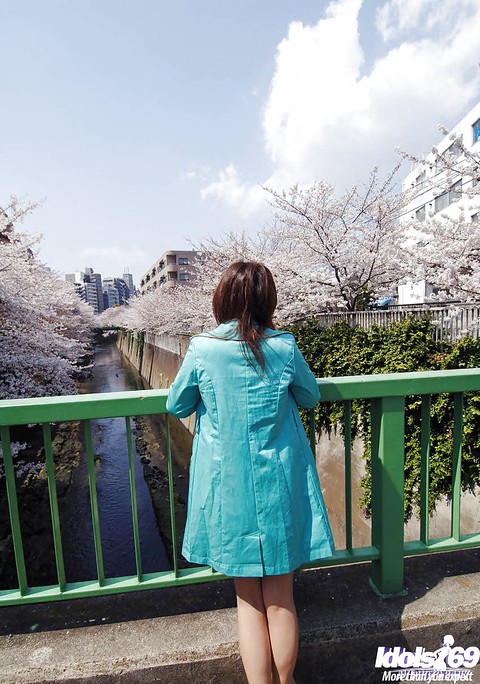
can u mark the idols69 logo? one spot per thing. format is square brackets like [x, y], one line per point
[448, 663]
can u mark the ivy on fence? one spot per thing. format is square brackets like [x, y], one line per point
[406, 346]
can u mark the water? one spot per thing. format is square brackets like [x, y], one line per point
[111, 373]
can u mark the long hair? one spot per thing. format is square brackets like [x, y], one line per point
[246, 292]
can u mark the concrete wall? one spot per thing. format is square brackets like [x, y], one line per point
[157, 360]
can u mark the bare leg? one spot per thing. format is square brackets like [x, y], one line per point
[277, 591]
[252, 630]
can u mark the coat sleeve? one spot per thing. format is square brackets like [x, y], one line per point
[184, 393]
[304, 386]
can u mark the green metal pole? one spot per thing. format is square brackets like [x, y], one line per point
[52, 492]
[456, 463]
[425, 468]
[133, 500]
[170, 496]
[13, 509]
[348, 474]
[388, 424]
[94, 502]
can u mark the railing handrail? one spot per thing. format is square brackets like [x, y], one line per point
[405, 384]
[386, 553]
[147, 402]
[74, 407]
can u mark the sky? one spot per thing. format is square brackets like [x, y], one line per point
[148, 125]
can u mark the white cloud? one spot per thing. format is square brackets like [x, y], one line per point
[399, 17]
[327, 119]
[196, 172]
[316, 70]
[229, 189]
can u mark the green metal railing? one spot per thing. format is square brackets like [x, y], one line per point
[387, 549]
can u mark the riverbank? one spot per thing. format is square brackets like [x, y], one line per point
[33, 500]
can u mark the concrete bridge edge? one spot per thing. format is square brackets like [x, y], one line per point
[342, 624]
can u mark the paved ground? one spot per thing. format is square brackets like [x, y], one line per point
[189, 634]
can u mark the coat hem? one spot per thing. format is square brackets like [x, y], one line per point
[256, 569]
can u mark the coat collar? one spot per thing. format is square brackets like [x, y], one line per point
[229, 331]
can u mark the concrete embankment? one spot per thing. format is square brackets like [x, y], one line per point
[188, 635]
[157, 358]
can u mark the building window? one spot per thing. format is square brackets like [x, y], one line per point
[476, 131]
[172, 275]
[455, 191]
[184, 276]
[454, 150]
[420, 179]
[446, 198]
[441, 202]
[171, 259]
[420, 214]
[183, 261]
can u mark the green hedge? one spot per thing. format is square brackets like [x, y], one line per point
[405, 346]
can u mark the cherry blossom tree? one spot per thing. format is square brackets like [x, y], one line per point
[445, 251]
[186, 308]
[324, 251]
[337, 248]
[45, 329]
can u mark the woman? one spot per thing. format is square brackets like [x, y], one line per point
[255, 509]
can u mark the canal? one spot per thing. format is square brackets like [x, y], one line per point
[111, 373]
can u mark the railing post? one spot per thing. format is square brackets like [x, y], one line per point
[388, 425]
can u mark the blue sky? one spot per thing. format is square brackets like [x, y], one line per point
[142, 124]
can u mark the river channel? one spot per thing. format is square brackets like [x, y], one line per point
[111, 373]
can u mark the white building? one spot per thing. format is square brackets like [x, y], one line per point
[440, 193]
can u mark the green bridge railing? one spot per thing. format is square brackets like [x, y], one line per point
[387, 550]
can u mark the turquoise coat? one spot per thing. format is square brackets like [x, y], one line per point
[254, 506]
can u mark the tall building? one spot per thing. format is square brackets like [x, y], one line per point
[97, 293]
[88, 286]
[437, 194]
[119, 286]
[172, 268]
[110, 296]
[101, 294]
[128, 279]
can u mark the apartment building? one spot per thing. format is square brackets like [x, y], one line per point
[172, 268]
[101, 294]
[438, 193]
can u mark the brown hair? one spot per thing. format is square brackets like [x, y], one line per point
[246, 292]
